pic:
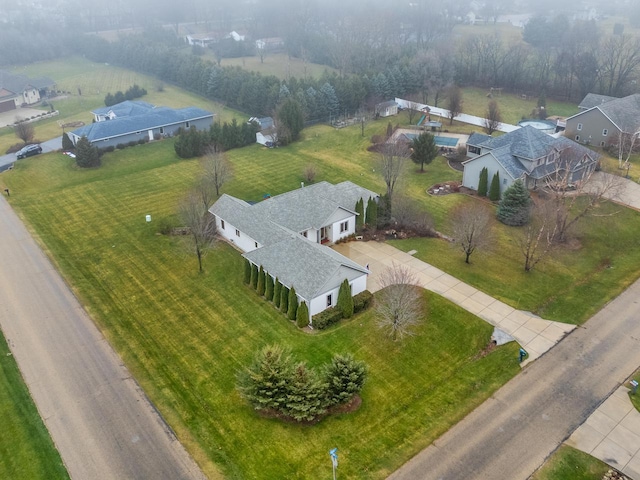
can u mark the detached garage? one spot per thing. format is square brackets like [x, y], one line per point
[7, 100]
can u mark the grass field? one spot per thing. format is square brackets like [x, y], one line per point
[26, 450]
[570, 464]
[185, 335]
[94, 80]
[277, 64]
[635, 398]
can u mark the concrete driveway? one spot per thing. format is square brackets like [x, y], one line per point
[533, 333]
[621, 190]
[9, 159]
[100, 420]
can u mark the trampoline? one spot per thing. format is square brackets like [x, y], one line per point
[446, 141]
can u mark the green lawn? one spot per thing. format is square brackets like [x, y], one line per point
[570, 464]
[635, 398]
[184, 335]
[277, 64]
[26, 450]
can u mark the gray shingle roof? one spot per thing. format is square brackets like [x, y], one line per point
[19, 83]
[308, 266]
[477, 139]
[128, 108]
[508, 161]
[593, 100]
[526, 142]
[156, 118]
[624, 112]
[389, 103]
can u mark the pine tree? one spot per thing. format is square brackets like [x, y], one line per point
[494, 191]
[67, 144]
[268, 294]
[292, 309]
[306, 398]
[345, 300]
[360, 217]
[515, 206]
[261, 282]
[247, 272]
[265, 384]
[254, 276]
[277, 293]
[284, 299]
[372, 214]
[483, 183]
[86, 154]
[302, 317]
[344, 377]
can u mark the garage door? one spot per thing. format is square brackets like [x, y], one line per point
[7, 105]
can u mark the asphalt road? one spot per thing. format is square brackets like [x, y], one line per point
[49, 146]
[98, 417]
[511, 434]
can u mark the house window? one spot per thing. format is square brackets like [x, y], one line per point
[222, 224]
[504, 181]
[237, 232]
[187, 124]
[605, 132]
[161, 130]
[256, 244]
[329, 300]
[579, 127]
[577, 138]
[344, 226]
[602, 144]
[304, 234]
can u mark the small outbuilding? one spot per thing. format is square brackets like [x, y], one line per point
[387, 109]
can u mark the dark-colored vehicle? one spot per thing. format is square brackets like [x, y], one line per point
[29, 151]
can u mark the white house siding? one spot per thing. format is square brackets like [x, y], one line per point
[319, 303]
[31, 96]
[244, 242]
[471, 173]
[351, 229]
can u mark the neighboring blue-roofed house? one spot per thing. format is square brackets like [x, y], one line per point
[528, 154]
[288, 235]
[136, 121]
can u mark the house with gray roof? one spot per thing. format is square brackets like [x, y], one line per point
[288, 235]
[606, 119]
[136, 121]
[16, 90]
[527, 154]
[386, 109]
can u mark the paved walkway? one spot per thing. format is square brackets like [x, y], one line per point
[612, 434]
[620, 190]
[534, 334]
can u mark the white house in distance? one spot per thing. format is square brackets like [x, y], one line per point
[288, 235]
[387, 109]
[527, 154]
[267, 134]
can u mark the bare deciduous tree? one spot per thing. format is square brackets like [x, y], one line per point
[492, 118]
[309, 173]
[413, 108]
[537, 239]
[217, 170]
[406, 214]
[472, 228]
[24, 130]
[200, 224]
[576, 190]
[392, 160]
[627, 144]
[399, 304]
[454, 102]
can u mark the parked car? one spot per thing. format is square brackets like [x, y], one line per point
[29, 151]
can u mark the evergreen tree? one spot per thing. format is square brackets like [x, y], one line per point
[284, 299]
[247, 272]
[261, 282]
[302, 317]
[483, 183]
[360, 217]
[254, 276]
[290, 115]
[372, 214]
[424, 149]
[345, 300]
[265, 384]
[67, 144]
[494, 191]
[344, 377]
[86, 154]
[292, 309]
[277, 293]
[306, 397]
[268, 294]
[515, 206]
